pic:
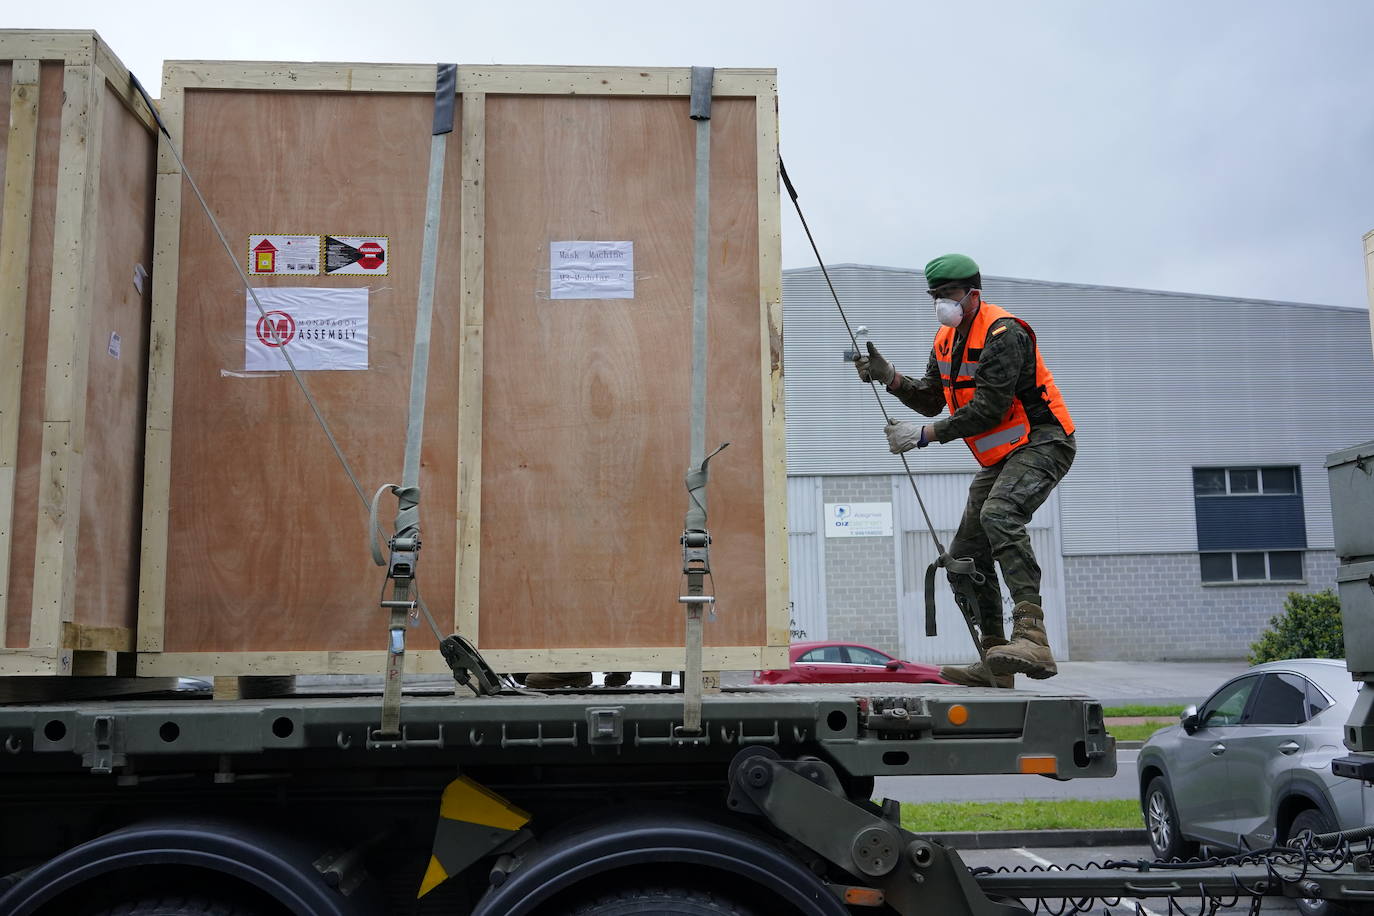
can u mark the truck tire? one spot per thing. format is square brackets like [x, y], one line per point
[175, 906]
[1163, 825]
[660, 901]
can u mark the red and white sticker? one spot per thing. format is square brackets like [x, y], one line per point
[356, 255]
[284, 255]
[322, 329]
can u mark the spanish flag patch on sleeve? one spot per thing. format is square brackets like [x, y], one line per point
[999, 330]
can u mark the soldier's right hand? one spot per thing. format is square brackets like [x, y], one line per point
[874, 368]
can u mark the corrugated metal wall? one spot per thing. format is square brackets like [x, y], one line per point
[944, 496]
[1158, 383]
[805, 558]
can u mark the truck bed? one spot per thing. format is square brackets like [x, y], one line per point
[865, 730]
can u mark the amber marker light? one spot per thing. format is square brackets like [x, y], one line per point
[957, 714]
[1043, 765]
[863, 896]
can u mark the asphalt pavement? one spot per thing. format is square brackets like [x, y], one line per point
[1122, 683]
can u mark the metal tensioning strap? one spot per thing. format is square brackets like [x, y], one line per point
[956, 565]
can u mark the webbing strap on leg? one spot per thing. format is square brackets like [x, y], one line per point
[405, 543]
[965, 597]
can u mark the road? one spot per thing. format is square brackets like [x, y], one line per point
[1010, 788]
[1033, 856]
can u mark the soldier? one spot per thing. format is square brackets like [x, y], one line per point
[986, 368]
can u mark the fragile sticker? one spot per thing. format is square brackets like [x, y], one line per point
[355, 255]
[284, 255]
[322, 329]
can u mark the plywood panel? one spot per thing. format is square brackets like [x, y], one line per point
[266, 537]
[32, 391]
[107, 574]
[586, 403]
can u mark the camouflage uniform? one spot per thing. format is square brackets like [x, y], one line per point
[1003, 497]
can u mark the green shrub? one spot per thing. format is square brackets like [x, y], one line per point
[1309, 627]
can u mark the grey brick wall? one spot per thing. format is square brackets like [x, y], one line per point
[860, 578]
[1153, 607]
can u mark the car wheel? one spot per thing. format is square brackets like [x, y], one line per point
[1162, 823]
[1314, 821]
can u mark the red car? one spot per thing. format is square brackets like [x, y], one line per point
[847, 663]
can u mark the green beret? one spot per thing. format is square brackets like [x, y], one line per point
[949, 267]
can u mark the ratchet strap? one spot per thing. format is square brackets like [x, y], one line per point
[696, 564]
[405, 543]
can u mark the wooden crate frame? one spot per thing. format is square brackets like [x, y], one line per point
[57, 644]
[474, 84]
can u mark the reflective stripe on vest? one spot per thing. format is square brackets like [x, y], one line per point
[1013, 430]
[998, 437]
[965, 369]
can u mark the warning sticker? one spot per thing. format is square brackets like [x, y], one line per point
[283, 254]
[355, 254]
[322, 329]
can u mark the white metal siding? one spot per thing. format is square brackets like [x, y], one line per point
[1158, 383]
[806, 557]
[944, 496]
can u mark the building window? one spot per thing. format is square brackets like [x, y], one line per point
[1250, 523]
[1253, 566]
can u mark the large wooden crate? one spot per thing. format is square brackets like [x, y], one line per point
[75, 247]
[557, 430]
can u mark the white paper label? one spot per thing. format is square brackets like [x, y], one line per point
[140, 274]
[323, 329]
[112, 347]
[356, 255]
[284, 254]
[858, 520]
[591, 270]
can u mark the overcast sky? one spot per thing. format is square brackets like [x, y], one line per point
[1210, 147]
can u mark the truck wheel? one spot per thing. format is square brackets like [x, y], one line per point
[1162, 823]
[660, 901]
[175, 906]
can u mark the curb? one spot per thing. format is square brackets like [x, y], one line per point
[1005, 839]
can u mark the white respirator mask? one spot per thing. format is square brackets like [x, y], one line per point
[949, 312]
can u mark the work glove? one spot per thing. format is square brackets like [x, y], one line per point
[903, 437]
[874, 368]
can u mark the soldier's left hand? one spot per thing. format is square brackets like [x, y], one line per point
[903, 437]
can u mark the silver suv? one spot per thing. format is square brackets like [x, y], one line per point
[1252, 767]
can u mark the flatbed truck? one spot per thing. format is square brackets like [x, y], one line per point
[520, 802]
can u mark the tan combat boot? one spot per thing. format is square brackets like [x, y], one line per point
[550, 681]
[977, 674]
[1028, 652]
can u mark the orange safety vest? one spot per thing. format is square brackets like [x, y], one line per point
[992, 445]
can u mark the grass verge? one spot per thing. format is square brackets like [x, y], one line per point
[1137, 710]
[1031, 814]
[1136, 732]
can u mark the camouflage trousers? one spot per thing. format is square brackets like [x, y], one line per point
[1001, 501]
